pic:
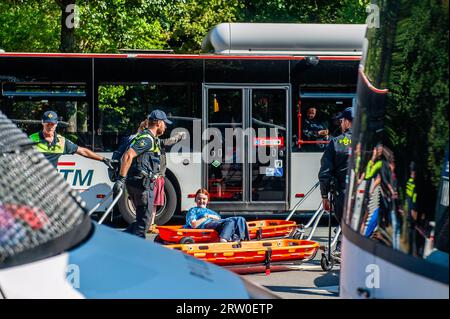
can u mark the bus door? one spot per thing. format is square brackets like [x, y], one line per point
[245, 137]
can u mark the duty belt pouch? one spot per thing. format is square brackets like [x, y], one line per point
[147, 182]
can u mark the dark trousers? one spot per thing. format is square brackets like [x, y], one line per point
[339, 199]
[141, 194]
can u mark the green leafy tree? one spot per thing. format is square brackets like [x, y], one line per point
[108, 26]
[191, 21]
[306, 11]
[111, 25]
[29, 26]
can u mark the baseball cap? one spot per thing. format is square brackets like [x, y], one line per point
[50, 117]
[157, 115]
[346, 114]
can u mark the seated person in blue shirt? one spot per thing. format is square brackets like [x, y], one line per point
[229, 229]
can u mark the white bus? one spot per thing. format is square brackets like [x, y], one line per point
[260, 77]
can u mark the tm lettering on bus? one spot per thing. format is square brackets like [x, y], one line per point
[78, 179]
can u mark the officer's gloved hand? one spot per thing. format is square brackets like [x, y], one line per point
[119, 184]
[108, 162]
[182, 135]
[326, 204]
[179, 136]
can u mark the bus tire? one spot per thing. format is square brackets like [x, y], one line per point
[163, 214]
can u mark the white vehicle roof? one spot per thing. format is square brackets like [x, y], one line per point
[285, 38]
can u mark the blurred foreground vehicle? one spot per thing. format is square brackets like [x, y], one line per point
[50, 248]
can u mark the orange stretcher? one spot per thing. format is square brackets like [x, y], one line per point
[259, 229]
[252, 252]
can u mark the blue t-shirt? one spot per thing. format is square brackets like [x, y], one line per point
[196, 213]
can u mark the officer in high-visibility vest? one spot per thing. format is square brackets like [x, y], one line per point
[140, 167]
[53, 145]
[334, 165]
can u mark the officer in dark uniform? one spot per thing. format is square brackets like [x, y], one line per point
[53, 145]
[139, 168]
[333, 169]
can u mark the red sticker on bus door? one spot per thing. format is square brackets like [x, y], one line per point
[268, 141]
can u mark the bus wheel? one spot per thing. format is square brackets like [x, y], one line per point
[163, 214]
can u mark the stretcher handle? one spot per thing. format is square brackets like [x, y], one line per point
[314, 216]
[316, 223]
[336, 236]
[101, 202]
[302, 200]
[114, 202]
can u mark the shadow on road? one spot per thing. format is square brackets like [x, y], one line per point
[325, 285]
[318, 291]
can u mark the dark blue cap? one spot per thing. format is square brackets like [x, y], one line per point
[157, 115]
[50, 117]
[346, 114]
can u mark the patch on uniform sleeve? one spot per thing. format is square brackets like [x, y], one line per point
[346, 141]
[142, 143]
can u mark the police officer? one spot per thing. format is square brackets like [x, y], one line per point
[53, 145]
[139, 168]
[333, 167]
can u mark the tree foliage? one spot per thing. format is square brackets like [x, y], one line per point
[111, 25]
[108, 26]
[191, 21]
[306, 11]
[29, 26]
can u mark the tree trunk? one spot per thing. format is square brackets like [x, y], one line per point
[67, 25]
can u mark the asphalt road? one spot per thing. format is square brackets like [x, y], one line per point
[304, 281]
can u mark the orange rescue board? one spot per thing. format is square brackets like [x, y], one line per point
[251, 252]
[259, 229]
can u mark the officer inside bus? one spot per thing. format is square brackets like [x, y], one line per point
[140, 166]
[334, 164]
[53, 145]
[313, 130]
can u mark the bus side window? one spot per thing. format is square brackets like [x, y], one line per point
[123, 107]
[319, 123]
[74, 117]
